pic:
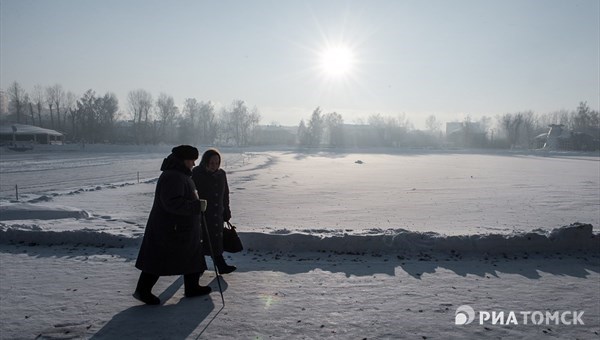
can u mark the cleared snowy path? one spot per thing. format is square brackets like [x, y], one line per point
[73, 292]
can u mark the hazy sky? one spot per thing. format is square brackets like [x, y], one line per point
[448, 58]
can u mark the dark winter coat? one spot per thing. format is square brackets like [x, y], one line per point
[214, 189]
[172, 242]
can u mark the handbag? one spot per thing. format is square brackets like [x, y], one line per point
[231, 240]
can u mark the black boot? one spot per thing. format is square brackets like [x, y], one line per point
[143, 291]
[222, 266]
[192, 288]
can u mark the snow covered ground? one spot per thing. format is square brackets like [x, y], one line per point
[370, 244]
[444, 192]
[64, 292]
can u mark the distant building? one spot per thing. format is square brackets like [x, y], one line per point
[275, 135]
[14, 133]
[361, 135]
[453, 127]
[465, 134]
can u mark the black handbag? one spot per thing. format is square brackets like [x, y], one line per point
[231, 240]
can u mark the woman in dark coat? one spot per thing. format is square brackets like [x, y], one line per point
[211, 183]
[172, 243]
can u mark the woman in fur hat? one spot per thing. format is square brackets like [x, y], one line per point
[172, 243]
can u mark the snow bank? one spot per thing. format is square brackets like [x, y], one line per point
[574, 237]
[26, 211]
[32, 235]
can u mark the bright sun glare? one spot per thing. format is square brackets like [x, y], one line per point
[337, 61]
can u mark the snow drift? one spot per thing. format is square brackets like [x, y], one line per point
[575, 237]
[22, 211]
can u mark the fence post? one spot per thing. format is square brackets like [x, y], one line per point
[17, 191]
[138, 173]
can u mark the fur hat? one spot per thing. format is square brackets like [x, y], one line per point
[185, 152]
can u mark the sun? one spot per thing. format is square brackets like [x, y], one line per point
[337, 61]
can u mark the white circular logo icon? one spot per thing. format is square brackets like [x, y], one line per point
[464, 315]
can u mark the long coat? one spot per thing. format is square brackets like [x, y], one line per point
[214, 189]
[172, 242]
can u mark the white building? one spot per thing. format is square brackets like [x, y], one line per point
[13, 133]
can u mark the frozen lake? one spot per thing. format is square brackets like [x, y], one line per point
[445, 192]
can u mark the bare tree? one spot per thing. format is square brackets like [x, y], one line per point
[71, 110]
[555, 117]
[528, 128]
[86, 112]
[315, 128]
[167, 111]
[50, 102]
[251, 123]
[334, 124]
[303, 138]
[505, 123]
[140, 105]
[404, 123]
[485, 123]
[38, 98]
[511, 124]
[190, 109]
[25, 108]
[238, 122]
[207, 123]
[55, 96]
[583, 118]
[377, 121]
[390, 130]
[199, 123]
[31, 112]
[29, 107]
[17, 97]
[188, 130]
[562, 117]
[106, 108]
[432, 124]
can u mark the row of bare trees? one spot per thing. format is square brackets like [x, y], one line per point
[89, 117]
[29, 108]
[93, 118]
[327, 128]
[197, 123]
[97, 118]
[509, 130]
[521, 128]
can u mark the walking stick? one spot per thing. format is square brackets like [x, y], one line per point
[212, 253]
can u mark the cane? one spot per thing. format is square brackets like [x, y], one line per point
[212, 253]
